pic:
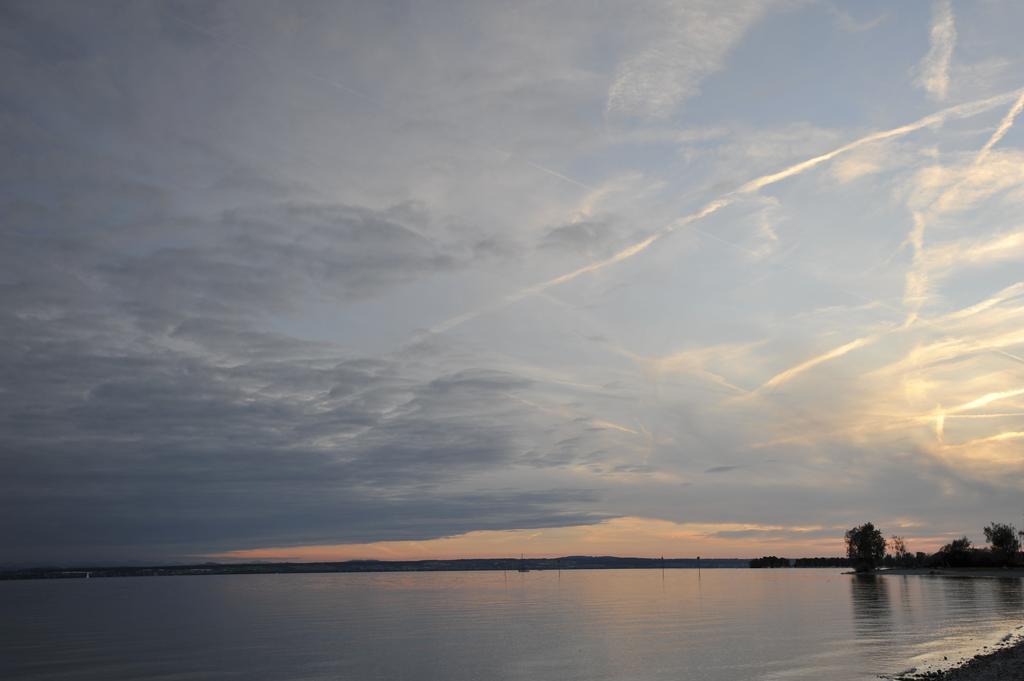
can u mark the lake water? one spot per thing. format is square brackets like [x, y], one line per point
[726, 625]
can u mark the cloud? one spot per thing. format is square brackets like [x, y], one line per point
[871, 160]
[751, 187]
[685, 44]
[943, 258]
[345, 447]
[223, 223]
[584, 237]
[791, 373]
[985, 400]
[960, 189]
[947, 370]
[703, 362]
[964, 110]
[933, 71]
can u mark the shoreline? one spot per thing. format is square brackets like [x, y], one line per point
[461, 565]
[364, 566]
[1009, 573]
[1003, 661]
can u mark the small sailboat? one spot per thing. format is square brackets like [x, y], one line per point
[522, 564]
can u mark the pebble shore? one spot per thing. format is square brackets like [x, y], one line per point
[1003, 662]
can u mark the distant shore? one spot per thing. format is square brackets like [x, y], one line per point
[459, 565]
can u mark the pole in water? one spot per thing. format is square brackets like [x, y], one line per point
[698, 567]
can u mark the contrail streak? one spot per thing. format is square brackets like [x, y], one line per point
[965, 110]
[1007, 293]
[988, 399]
[960, 111]
[781, 377]
[555, 173]
[624, 254]
[1001, 437]
[916, 289]
[1004, 127]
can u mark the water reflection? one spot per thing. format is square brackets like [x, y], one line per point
[1010, 596]
[642, 625]
[959, 593]
[872, 609]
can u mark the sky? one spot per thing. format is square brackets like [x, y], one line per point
[329, 280]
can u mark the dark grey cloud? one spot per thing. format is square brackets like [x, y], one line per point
[578, 236]
[146, 412]
[592, 237]
[119, 453]
[149, 409]
[264, 261]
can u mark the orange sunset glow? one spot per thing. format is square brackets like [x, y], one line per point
[639, 537]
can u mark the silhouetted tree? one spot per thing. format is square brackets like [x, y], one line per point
[865, 547]
[1004, 542]
[899, 550]
[956, 553]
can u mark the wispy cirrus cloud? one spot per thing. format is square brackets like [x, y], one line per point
[965, 110]
[689, 42]
[933, 71]
[960, 188]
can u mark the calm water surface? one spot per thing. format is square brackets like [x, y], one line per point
[582, 625]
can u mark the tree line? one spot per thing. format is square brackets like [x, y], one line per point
[820, 562]
[867, 549]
